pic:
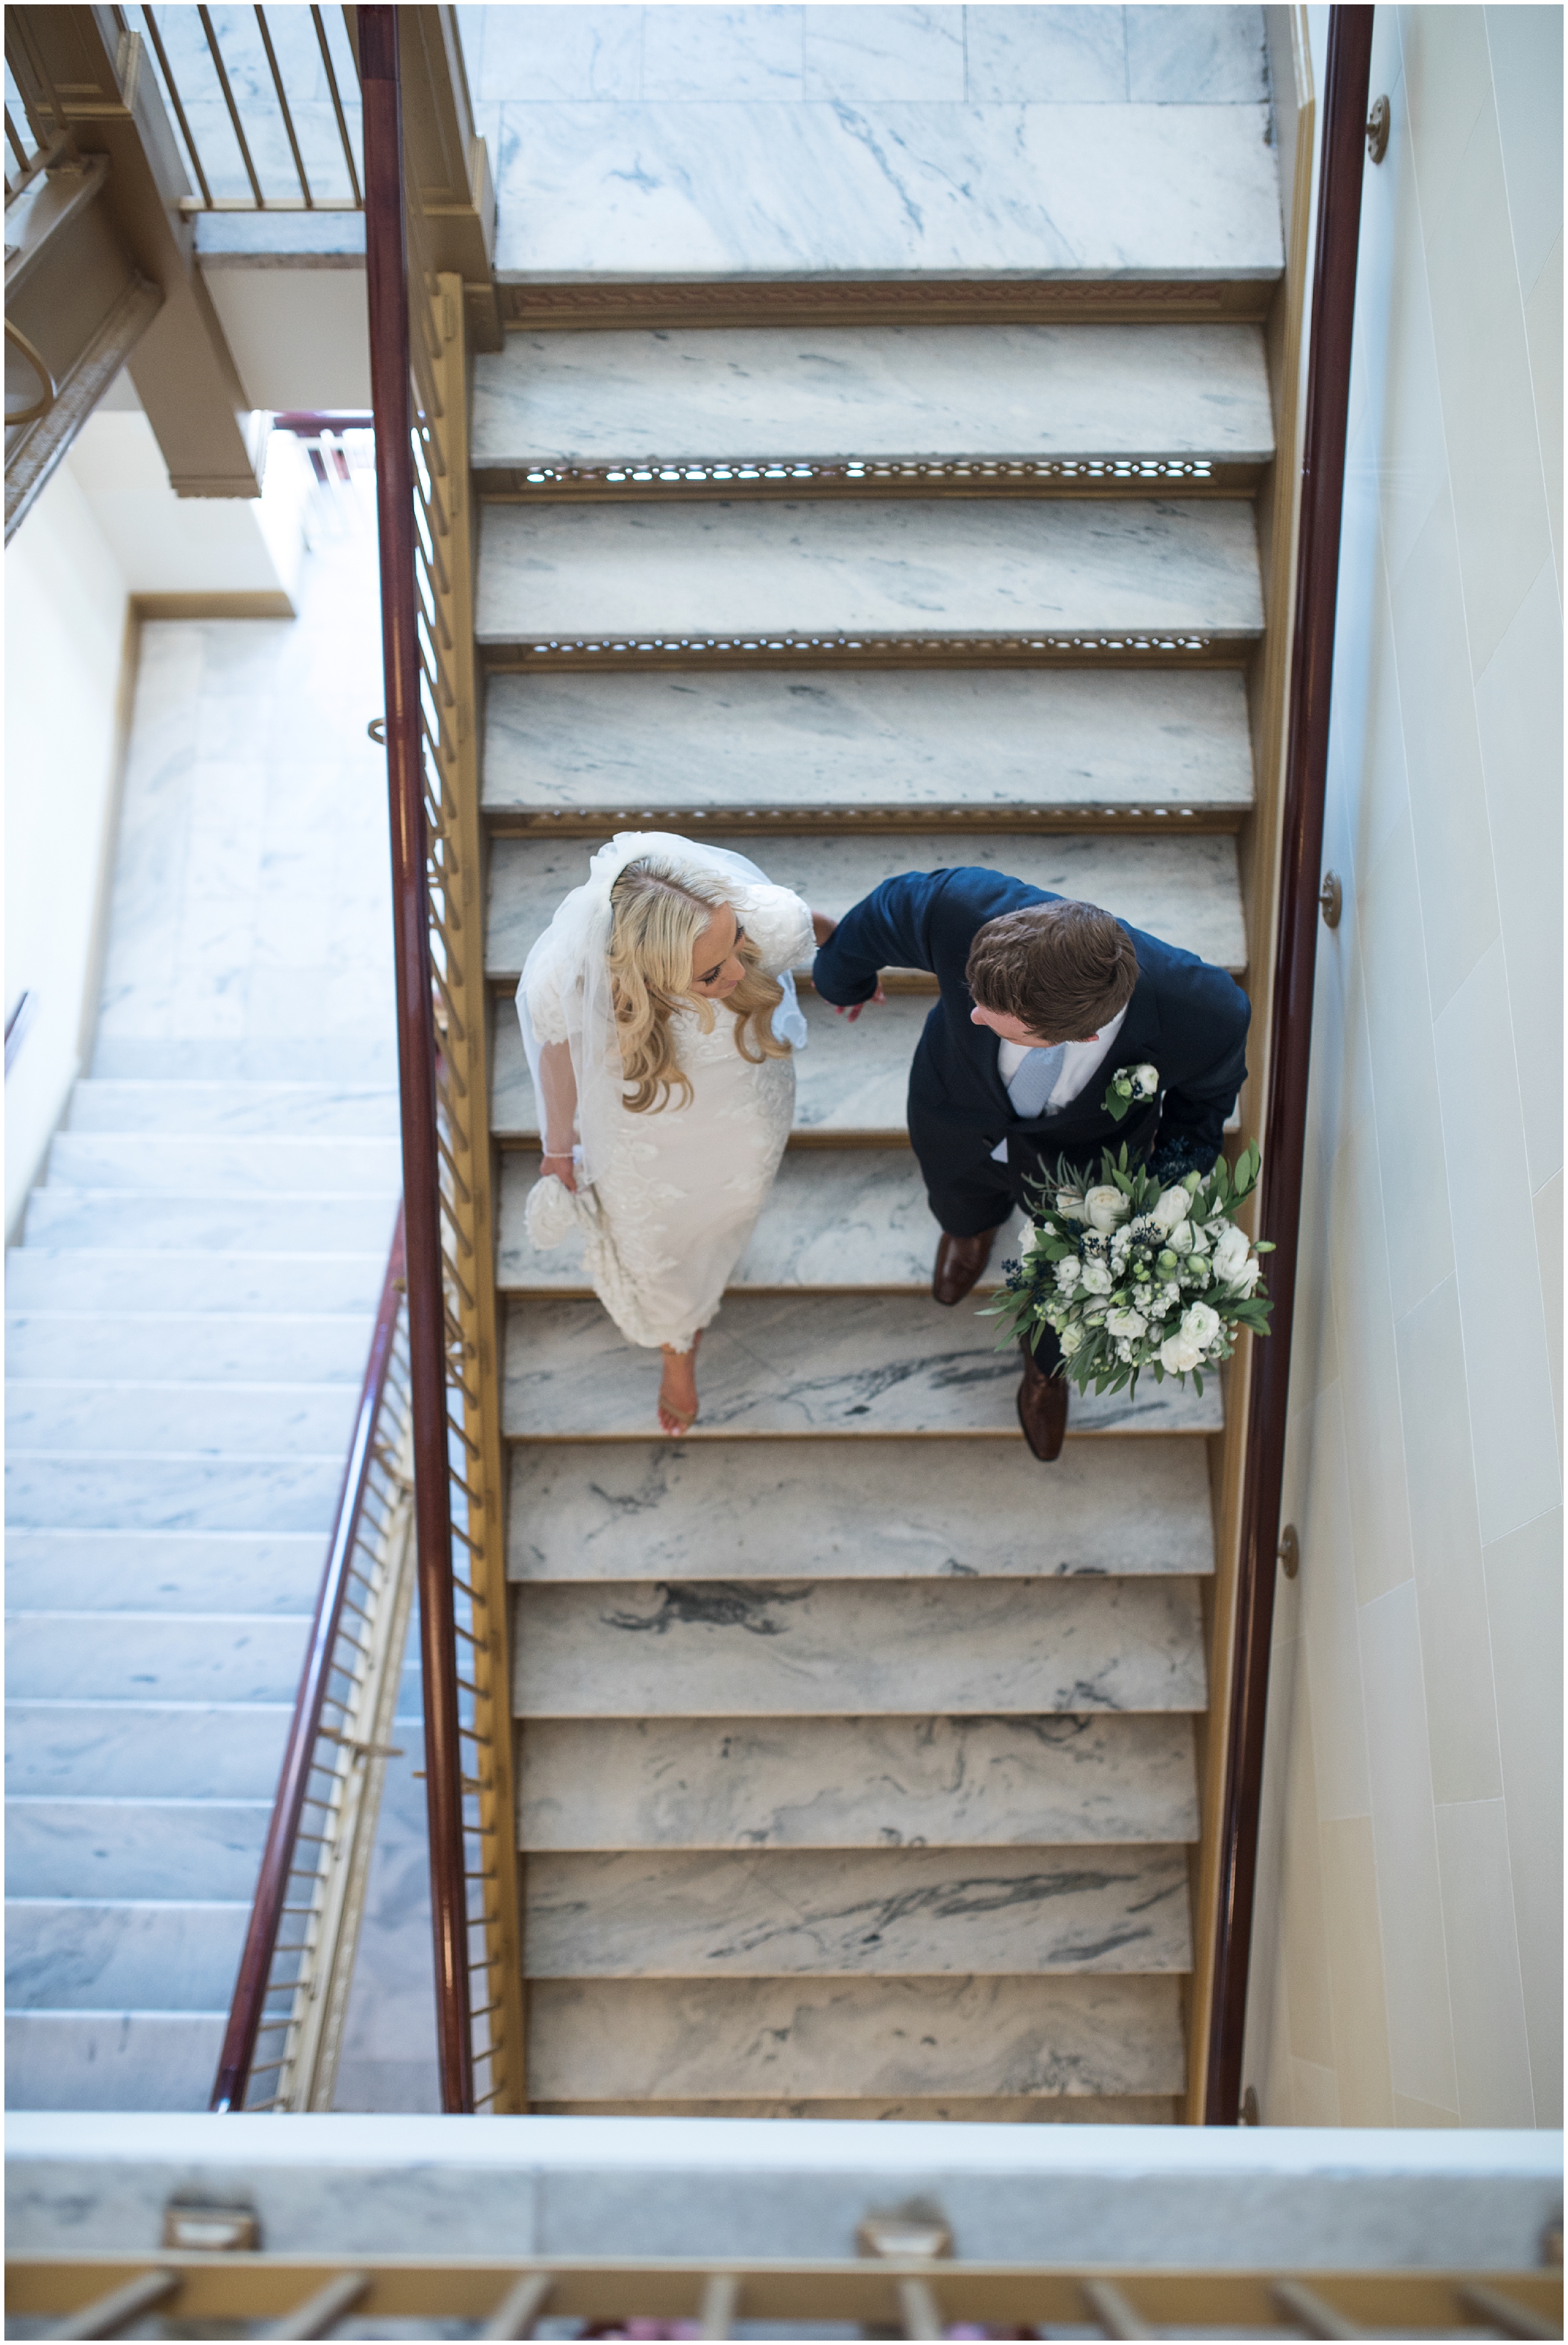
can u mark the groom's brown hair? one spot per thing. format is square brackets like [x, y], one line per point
[1063, 970]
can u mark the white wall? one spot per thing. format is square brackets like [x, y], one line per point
[1408, 1953]
[66, 602]
[168, 544]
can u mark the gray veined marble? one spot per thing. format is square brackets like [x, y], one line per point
[186, 1420]
[266, 1110]
[1184, 890]
[75, 1953]
[117, 2059]
[879, 1510]
[852, 1078]
[888, 1912]
[896, 739]
[145, 1749]
[170, 1346]
[855, 1783]
[849, 1364]
[958, 567]
[252, 1165]
[827, 394]
[602, 2039]
[172, 1657]
[161, 1571]
[116, 1848]
[111, 1219]
[948, 2108]
[139, 1278]
[743, 1648]
[67, 1490]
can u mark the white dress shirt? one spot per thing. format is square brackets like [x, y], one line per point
[1082, 1062]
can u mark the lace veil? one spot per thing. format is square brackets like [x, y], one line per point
[571, 958]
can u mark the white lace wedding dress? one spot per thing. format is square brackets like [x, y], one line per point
[668, 1218]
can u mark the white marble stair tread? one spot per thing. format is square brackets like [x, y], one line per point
[834, 1218]
[86, 1278]
[140, 1954]
[163, 1571]
[111, 2059]
[848, 1648]
[178, 1848]
[826, 395]
[859, 1783]
[144, 1750]
[853, 1077]
[826, 1914]
[850, 1365]
[239, 1166]
[1184, 890]
[656, 2039]
[958, 566]
[903, 1510]
[899, 739]
[206, 1345]
[180, 1419]
[75, 1489]
[174, 1657]
[134, 1219]
[300, 1110]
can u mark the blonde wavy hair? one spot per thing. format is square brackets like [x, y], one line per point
[659, 912]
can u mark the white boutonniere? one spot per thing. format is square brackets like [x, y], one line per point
[1129, 1087]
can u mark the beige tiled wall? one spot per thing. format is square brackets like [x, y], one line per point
[1408, 1947]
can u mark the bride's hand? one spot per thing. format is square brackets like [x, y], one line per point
[853, 1014]
[563, 1169]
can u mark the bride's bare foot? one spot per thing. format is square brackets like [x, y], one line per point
[678, 1389]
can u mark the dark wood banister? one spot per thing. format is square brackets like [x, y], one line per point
[305, 1727]
[385, 264]
[1343, 160]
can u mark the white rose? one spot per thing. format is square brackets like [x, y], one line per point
[1107, 1208]
[1069, 1205]
[1178, 1355]
[1126, 1323]
[1199, 1237]
[1146, 1080]
[1067, 1272]
[1071, 1340]
[1200, 1325]
[1096, 1278]
[1170, 1207]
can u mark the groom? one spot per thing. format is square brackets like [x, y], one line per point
[1042, 1002]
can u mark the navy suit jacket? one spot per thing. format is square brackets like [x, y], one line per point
[1186, 1019]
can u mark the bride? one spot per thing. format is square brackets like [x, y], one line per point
[659, 1016]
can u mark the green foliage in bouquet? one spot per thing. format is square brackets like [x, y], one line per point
[1134, 1276]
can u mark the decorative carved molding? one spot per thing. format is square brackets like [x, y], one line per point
[625, 653]
[599, 822]
[800, 476]
[613, 304]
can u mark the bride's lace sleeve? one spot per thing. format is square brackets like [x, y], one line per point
[779, 925]
[545, 1007]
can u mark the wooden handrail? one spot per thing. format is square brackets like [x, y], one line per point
[386, 265]
[1343, 159]
[305, 1727]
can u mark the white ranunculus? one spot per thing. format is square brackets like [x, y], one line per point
[1145, 1080]
[1067, 1272]
[1071, 1341]
[1126, 1323]
[1179, 1240]
[1199, 1237]
[1200, 1325]
[1106, 1207]
[1170, 1207]
[1096, 1278]
[1177, 1355]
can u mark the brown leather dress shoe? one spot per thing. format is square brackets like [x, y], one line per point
[1042, 1408]
[960, 1262]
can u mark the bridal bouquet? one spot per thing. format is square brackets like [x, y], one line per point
[1134, 1276]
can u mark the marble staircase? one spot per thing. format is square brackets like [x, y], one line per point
[187, 1316]
[856, 1749]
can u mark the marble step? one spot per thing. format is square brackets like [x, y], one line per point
[1176, 573]
[211, 1346]
[164, 1656]
[852, 1079]
[70, 1490]
[794, 1649]
[900, 1510]
[145, 1749]
[898, 1912]
[303, 1111]
[138, 1220]
[186, 1420]
[73, 1953]
[834, 1217]
[111, 2059]
[176, 1848]
[155, 1279]
[848, 1364]
[855, 1783]
[162, 1571]
[741, 2039]
[1084, 2108]
[1184, 890]
[551, 404]
[976, 744]
[242, 1166]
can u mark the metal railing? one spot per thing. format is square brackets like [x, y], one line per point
[37, 136]
[418, 372]
[292, 1991]
[266, 101]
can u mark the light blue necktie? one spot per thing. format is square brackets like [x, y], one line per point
[1036, 1080]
